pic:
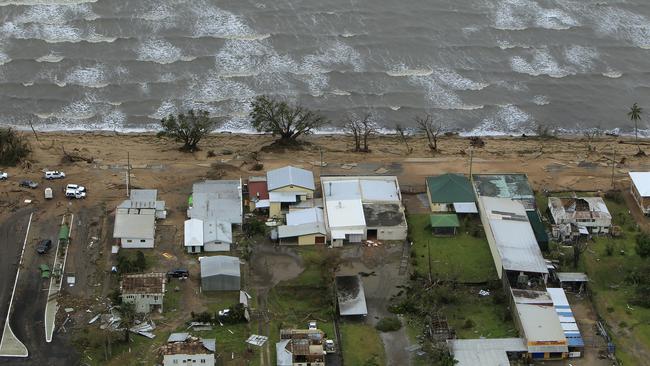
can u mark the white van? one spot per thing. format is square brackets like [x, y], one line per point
[48, 193]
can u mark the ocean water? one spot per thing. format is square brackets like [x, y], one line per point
[479, 66]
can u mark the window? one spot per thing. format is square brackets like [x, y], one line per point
[142, 240]
[202, 360]
[129, 241]
[175, 362]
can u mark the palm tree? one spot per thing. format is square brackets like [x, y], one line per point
[635, 116]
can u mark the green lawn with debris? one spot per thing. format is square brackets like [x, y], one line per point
[611, 293]
[463, 256]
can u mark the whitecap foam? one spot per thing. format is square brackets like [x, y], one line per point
[401, 72]
[457, 81]
[159, 51]
[395, 107]
[52, 33]
[52, 58]
[211, 21]
[333, 54]
[582, 57]
[619, 23]
[541, 63]
[524, 14]
[216, 89]
[507, 119]
[54, 14]
[44, 2]
[541, 100]
[340, 92]
[166, 108]
[613, 74]
[29, 83]
[75, 111]
[4, 58]
[92, 77]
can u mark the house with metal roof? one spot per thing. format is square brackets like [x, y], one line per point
[220, 273]
[487, 351]
[288, 186]
[590, 213]
[144, 199]
[145, 290]
[216, 205]
[513, 186]
[304, 347]
[568, 322]
[184, 349]
[135, 228]
[304, 227]
[512, 241]
[363, 208]
[451, 193]
[539, 324]
[640, 189]
[350, 295]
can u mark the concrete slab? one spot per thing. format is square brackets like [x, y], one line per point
[10, 346]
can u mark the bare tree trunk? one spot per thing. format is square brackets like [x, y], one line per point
[31, 125]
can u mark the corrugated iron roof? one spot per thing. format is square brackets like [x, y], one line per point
[290, 176]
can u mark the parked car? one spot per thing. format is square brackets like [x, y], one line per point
[43, 246]
[75, 187]
[224, 313]
[4, 176]
[312, 325]
[29, 184]
[330, 347]
[71, 193]
[178, 273]
[54, 174]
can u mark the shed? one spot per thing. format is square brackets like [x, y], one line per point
[444, 224]
[290, 176]
[220, 273]
[640, 189]
[486, 352]
[135, 230]
[350, 295]
[451, 193]
[574, 281]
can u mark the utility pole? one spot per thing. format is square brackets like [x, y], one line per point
[613, 165]
[429, 259]
[320, 168]
[471, 160]
[128, 173]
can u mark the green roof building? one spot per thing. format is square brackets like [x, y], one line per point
[451, 193]
[444, 224]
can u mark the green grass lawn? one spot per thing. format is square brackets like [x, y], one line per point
[463, 256]
[361, 343]
[489, 319]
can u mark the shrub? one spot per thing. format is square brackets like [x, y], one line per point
[13, 147]
[389, 324]
[203, 317]
[468, 324]
[610, 247]
[615, 196]
[643, 245]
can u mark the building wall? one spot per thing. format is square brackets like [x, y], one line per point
[220, 283]
[198, 360]
[490, 238]
[129, 243]
[642, 202]
[309, 239]
[275, 209]
[216, 246]
[194, 249]
[437, 207]
[144, 302]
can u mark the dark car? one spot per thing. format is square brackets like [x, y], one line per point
[43, 246]
[178, 273]
[29, 184]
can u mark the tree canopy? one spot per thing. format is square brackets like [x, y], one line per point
[281, 119]
[13, 147]
[187, 128]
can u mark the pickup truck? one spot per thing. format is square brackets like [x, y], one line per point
[71, 193]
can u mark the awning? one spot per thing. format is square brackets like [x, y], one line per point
[340, 234]
[262, 204]
[465, 207]
[583, 230]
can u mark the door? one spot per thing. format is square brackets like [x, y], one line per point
[320, 240]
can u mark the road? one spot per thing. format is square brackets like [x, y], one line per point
[27, 319]
[12, 234]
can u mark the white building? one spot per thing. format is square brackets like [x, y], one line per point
[216, 206]
[183, 349]
[145, 199]
[360, 208]
[586, 212]
[135, 228]
[640, 189]
[145, 290]
[304, 227]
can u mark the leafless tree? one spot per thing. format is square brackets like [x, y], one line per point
[590, 135]
[431, 129]
[404, 137]
[361, 129]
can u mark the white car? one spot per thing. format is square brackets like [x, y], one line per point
[3, 176]
[71, 193]
[75, 187]
[224, 312]
[54, 174]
